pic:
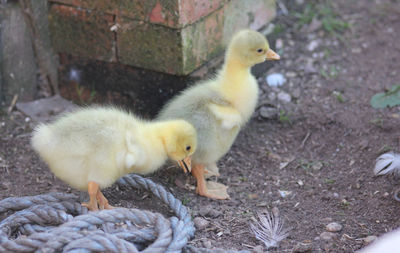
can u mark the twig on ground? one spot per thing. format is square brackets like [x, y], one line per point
[13, 102]
[305, 139]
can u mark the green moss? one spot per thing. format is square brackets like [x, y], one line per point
[84, 35]
[202, 41]
[150, 46]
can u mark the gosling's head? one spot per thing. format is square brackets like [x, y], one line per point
[180, 139]
[250, 47]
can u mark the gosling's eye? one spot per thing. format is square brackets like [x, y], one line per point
[188, 148]
[260, 50]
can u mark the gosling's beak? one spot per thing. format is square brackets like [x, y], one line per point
[186, 164]
[271, 55]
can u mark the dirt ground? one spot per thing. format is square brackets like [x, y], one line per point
[328, 132]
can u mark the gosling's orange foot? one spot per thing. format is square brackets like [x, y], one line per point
[107, 207]
[98, 205]
[213, 194]
[218, 190]
[96, 198]
[201, 189]
[90, 206]
[103, 202]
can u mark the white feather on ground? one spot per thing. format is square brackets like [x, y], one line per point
[388, 163]
[269, 229]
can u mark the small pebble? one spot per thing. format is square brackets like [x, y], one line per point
[296, 93]
[309, 67]
[258, 249]
[3, 186]
[364, 144]
[313, 45]
[327, 236]
[291, 74]
[275, 79]
[284, 97]
[369, 239]
[209, 211]
[333, 227]
[279, 44]
[272, 96]
[200, 223]
[327, 219]
[214, 213]
[268, 112]
[205, 210]
[207, 244]
[284, 193]
[317, 166]
[253, 196]
[302, 248]
[262, 204]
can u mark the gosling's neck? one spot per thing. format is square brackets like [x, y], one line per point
[154, 138]
[233, 77]
[161, 131]
[234, 70]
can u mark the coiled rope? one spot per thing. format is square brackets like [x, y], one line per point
[56, 222]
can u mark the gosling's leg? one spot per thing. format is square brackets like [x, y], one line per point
[198, 173]
[93, 189]
[211, 170]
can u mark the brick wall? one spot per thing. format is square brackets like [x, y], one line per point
[170, 36]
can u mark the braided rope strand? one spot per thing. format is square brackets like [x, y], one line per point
[57, 222]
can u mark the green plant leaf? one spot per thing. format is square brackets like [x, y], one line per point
[390, 98]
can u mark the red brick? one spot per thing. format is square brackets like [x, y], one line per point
[192, 10]
[164, 14]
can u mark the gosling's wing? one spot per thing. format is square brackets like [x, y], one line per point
[228, 116]
[133, 151]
